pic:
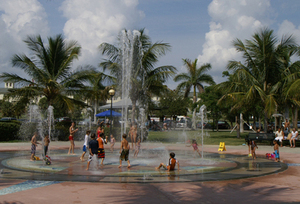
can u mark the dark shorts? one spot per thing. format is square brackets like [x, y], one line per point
[101, 153]
[124, 154]
[84, 148]
[45, 150]
[33, 149]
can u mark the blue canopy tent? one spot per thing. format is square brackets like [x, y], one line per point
[107, 114]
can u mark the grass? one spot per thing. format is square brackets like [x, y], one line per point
[210, 137]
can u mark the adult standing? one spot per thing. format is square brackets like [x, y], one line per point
[293, 138]
[286, 127]
[72, 131]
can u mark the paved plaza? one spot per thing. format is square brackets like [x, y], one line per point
[220, 177]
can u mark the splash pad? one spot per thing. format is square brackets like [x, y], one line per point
[213, 167]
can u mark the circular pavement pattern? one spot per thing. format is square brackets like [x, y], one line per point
[213, 167]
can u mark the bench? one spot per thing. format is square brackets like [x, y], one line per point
[268, 137]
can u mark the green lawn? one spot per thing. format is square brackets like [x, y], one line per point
[210, 137]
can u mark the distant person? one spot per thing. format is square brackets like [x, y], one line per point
[253, 148]
[134, 134]
[137, 148]
[101, 151]
[195, 146]
[46, 144]
[293, 138]
[130, 134]
[124, 151]
[279, 136]
[85, 147]
[276, 151]
[93, 150]
[72, 131]
[112, 142]
[100, 130]
[286, 127]
[171, 164]
[34, 144]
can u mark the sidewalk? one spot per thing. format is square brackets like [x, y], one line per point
[276, 188]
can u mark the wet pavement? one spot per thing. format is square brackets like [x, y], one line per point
[20, 176]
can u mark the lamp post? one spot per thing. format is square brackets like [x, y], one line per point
[111, 93]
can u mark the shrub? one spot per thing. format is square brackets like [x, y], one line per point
[9, 130]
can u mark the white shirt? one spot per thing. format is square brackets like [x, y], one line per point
[294, 134]
[279, 134]
[86, 140]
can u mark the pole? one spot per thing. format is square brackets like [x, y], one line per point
[110, 115]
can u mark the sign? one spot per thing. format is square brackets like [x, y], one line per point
[222, 147]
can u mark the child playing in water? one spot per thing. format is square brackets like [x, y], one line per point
[253, 147]
[112, 143]
[124, 151]
[101, 151]
[85, 144]
[171, 164]
[195, 146]
[276, 149]
[34, 144]
[46, 144]
[137, 147]
[93, 149]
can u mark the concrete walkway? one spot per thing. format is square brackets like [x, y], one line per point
[281, 187]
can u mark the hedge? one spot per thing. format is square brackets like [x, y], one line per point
[9, 130]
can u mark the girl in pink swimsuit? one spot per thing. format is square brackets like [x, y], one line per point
[195, 147]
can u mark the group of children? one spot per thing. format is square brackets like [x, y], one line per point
[253, 146]
[34, 144]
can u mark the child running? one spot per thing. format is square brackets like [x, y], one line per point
[34, 144]
[112, 143]
[276, 149]
[195, 146]
[124, 151]
[101, 142]
[46, 144]
[171, 164]
[253, 147]
[137, 148]
[93, 149]
[85, 144]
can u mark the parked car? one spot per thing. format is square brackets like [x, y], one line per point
[84, 122]
[184, 122]
[64, 119]
[223, 125]
[8, 119]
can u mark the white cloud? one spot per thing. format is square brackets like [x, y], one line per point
[230, 19]
[92, 22]
[287, 28]
[19, 18]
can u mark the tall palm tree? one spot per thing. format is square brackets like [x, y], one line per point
[145, 77]
[194, 78]
[262, 67]
[96, 91]
[48, 72]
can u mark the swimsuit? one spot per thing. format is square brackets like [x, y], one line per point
[124, 154]
[195, 146]
[101, 153]
[33, 148]
[276, 154]
[71, 137]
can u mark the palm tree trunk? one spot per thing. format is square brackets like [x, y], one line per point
[295, 118]
[133, 109]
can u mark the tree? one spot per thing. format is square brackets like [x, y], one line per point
[144, 77]
[194, 78]
[49, 72]
[260, 71]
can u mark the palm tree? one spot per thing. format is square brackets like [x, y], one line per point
[96, 91]
[194, 79]
[144, 78]
[262, 68]
[49, 72]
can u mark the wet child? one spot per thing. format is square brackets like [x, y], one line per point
[137, 147]
[171, 164]
[93, 149]
[195, 146]
[276, 149]
[101, 151]
[253, 148]
[85, 144]
[112, 143]
[46, 144]
[34, 144]
[124, 151]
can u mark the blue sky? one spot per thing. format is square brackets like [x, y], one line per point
[195, 29]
